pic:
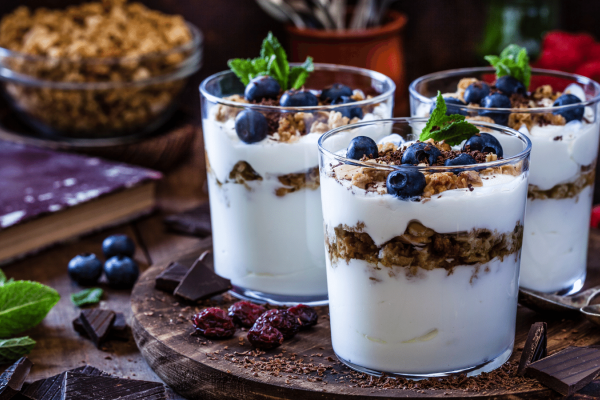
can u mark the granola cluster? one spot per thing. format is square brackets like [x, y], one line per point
[586, 177]
[422, 247]
[110, 41]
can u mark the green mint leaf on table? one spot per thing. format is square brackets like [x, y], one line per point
[87, 296]
[272, 62]
[2, 278]
[513, 61]
[13, 349]
[23, 305]
[452, 129]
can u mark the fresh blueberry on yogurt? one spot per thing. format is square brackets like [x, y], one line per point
[461, 159]
[485, 143]
[509, 85]
[421, 152]
[251, 126]
[475, 92]
[335, 91]
[263, 87]
[405, 184]
[496, 100]
[449, 108]
[349, 112]
[571, 114]
[362, 146]
[298, 98]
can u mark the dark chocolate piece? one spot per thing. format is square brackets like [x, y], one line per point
[170, 278]
[201, 282]
[83, 387]
[11, 380]
[118, 331]
[50, 388]
[535, 346]
[568, 370]
[97, 323]
[195, 222]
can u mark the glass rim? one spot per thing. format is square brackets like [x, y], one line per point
[436, 168]
[318, 67]
[413, 92]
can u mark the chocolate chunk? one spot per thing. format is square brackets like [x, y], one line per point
[568, 370]
[97, 323]
[50, 388]
[194, 222]
[11, 381]
[201, 282]
[170, 278]
[535, 346]
[118, 331]
[83, 387]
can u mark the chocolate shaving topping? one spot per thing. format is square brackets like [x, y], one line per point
[535, 346]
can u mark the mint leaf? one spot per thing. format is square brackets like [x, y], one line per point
[13, 349]
[2, 278]
[513, 61]
[452, 129]
[23, 305]
[277, 63]
[299, 74]
[87, 296]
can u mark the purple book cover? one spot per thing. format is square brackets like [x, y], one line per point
[36, 181]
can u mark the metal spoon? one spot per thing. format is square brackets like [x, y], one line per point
[592, 313]
[282, 11]
[552, 302]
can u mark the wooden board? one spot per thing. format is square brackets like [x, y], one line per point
[189, 364]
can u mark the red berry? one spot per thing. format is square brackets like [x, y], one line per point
[214, 323]
[265, 336]
[305, 315]
[282, 320]
[595, 222]
[245, 313]
[591, 69]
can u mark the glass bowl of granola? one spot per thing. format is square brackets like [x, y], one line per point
[96, 70]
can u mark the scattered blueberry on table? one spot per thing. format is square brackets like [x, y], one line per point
[120, 244]
[85, 269]
[121, 272]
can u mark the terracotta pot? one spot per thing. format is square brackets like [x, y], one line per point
[380, 49]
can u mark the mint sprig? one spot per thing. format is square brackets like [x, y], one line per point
[452, 129]
[23, 305]
[13, 349]
[272, 62]
[513, 61]
[87, 297]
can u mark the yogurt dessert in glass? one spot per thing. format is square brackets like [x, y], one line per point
[423, 246]
[559, 113]
[263, 178]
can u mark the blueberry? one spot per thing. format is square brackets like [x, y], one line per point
[349, 112]
[263, 87]
[571, 114]
[405, 184]
[461, 159]
[420, 152]
[485, 143]
[121, 271]
[509, 85]
[335, 91]
[449, 108]
[298, 98]
[475, 92]
[251, 126]
[85, 269]
[115, 245]
[496, 100]
[362, 146]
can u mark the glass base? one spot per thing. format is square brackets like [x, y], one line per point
[278, 299]
[487, 366]
[574, 288]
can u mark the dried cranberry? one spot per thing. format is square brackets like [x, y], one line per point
[214, 323]
[265, 336]
[305, 315]
[245, 313]
[282, 320]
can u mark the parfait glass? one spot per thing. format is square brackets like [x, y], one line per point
[264, 197]
[563, 164]
[427, 286]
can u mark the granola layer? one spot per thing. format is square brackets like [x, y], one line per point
[568, 190]
[422, 247]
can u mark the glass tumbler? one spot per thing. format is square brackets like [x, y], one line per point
[265, 201]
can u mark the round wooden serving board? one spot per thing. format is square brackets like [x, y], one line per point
[201, 369]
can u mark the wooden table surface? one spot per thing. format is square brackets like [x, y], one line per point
[59, 347]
